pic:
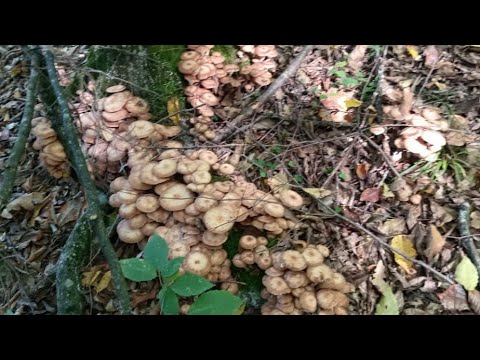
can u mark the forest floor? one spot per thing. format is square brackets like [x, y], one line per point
[330, 129]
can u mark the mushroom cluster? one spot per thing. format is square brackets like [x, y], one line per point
[422, 135]
[261, 67]
[52, 153]
[113, 125]
[297, 281]
[207, 74]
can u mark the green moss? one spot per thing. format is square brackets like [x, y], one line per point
[152, 69]
[228, 51]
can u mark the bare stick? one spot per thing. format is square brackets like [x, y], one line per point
[277, 84]
[385, 156]
[464, 229]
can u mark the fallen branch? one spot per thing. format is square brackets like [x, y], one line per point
[464, 230]
[63, 124]
[10, 171]
[277, 84]
[384, 243]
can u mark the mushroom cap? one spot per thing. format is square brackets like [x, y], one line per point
[128, 211]
[115, 89]
[296, 279]
[319, 273]
[271, 271]
[165, 168]
[205, 202]
[197, 262]
[159, 215]
[331, 299]
[276, 285]
[147, 203]
[118, 184]
[291, 199]
[275, 210]
[141, 129]
[127, 234]
[248, 257]
[209, 98]
[149, 228]
[201, 177]
[115, 116]
[208, 156]
[308, 301]
[176, 197]
[312, 256]
[117, 101]
[168, 131]
[226, 169]
[211, 239]
[178, 249]
[248, 242]
[188, 66]
[218, 257]
[294, 260]
[43, 130]
[135, 181]
[336, 282]
[137, 221]
[190, 55]
[434, 138]
[219, 219]
[137, 106]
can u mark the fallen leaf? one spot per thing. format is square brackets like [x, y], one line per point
[378, 277]
[386, 192]
[356, 57]
[318, 193]
[140, 298]
[104, 281]
[278, 183]
[475, 219]
[370, 195]
[362, 170]
[403, 244]
[69, 211]
[413, 51]
[388, 303]
[414, 212]
[173, 107]
[466, 274]
[474, 301]
[431, 55]
[435, 242]
[440, 214]
[352, 103]
[392, 227]
[26, 202]
[89, 277]
[454, 298]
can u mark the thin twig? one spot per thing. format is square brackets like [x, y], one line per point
[464, 230]
[380, 150]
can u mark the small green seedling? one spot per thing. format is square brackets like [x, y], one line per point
[155, 264]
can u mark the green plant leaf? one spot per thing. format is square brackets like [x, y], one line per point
[350, 81]
[215, 302]
[340, 73]
[172, 266]
[466, 274]
[138, 269]
[340, 64]
[190, 284]
[342, 176]
[388, 303]
[156, 251]
[168, 301]
[262, 173]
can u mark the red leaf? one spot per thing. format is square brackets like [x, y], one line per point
[454, 298]
[362, 170]
[370, 195]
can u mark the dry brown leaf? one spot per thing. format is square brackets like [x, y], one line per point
[440, 214]
[474, 301]
[475, 219]
[370, 195]
[407, 102]
[431, 55]
[414, 212]
[362, 170]
[26, 202]
[104, 282]
[455, 138]
[435, 242]
[454, 298]
[356, 57]
[69, 211]
[392, 227]
[139, 298]
[378, 277]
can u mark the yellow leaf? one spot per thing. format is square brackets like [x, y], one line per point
[104, 281]
[386, 192]
[435, 242]
[439, 85]
[173, 107]
[403, 244]
[318, 193]
[412, 50]
[240, 310]
[89, 277]
[352, 103]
